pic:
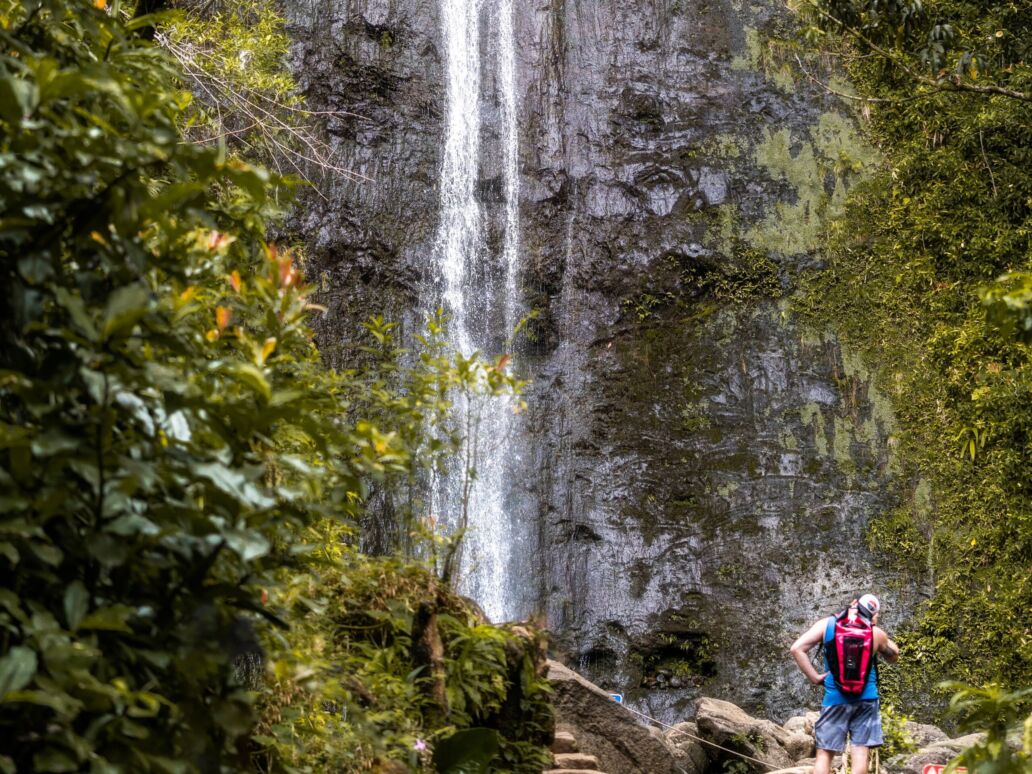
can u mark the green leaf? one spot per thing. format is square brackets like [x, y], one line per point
[150, 20]
[18, 98]
[21, 528]
[17, 669]
[466, 752]
[52, 442]
[52, 555]
[76, 309]
[233, 483]
[125, 306]
[251, 376]
[76, 604]
[167, 765]
[59, 702]
[249, 544]
[9, 552]
[132, 524]
[34, 268]
[53, 759]
[283, 397]
[111, 618]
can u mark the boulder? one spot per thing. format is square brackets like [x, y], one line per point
[689, 752]
[799, 745]
[940, 752]
[924, 734]
[604, 728]
[730, 726]
[801, 724]
[808, 769]
[809, 763]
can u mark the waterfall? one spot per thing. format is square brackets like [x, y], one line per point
[480, 307]
[460, 241]
[510, 154]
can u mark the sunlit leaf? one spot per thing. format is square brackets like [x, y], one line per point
[17, 669]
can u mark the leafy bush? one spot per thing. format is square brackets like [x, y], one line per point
[997, 713]
[232, 56]
[137, 513]
[409, 663]
[897, 739]
[171, 449]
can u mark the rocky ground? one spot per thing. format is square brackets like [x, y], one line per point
[594, 733]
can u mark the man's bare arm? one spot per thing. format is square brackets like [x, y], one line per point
[887, 649]
[801, 648]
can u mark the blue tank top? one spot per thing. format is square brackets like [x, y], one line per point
[832, 695]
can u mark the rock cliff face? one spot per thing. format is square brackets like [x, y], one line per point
[701, 466]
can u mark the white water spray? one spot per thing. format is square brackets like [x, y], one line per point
[510, 158]
[460, 230]
[462, 257]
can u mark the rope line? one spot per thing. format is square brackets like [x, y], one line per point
[771, 766]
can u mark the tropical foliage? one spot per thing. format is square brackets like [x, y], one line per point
[1004, 719]
[928, 274]
[179, 476]
[417, 665]
[959, 47]
[231, 57]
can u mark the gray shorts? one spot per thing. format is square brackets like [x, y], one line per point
[861, 720]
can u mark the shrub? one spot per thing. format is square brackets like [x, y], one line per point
[168, 438]
[998, 713]
[405, 663]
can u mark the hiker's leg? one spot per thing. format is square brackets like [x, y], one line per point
[860, 756]
[823, 763]
[830, 736]
[866, 732]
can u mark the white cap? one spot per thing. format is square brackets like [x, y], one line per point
[870, 604]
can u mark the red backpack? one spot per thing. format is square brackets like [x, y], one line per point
[850, 653]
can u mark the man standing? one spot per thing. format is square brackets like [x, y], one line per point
[850, 680]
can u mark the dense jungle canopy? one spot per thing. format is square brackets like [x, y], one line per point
[186, 486]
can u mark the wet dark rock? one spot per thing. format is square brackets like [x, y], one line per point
[696, 462]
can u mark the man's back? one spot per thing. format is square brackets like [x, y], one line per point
[850, 706]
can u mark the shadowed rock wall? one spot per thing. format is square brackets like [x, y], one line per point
[703, 468]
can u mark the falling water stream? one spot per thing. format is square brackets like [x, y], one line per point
[510, 153]
[480, 309]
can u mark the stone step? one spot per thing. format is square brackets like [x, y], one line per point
[564, 743]
[576, 761]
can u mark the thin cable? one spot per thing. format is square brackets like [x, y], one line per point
[771, 766]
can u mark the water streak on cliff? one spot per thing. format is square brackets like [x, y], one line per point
[510, 153]
[466, 268]
[460, 240]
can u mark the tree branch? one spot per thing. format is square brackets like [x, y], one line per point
[853, 97]
[954, 84]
